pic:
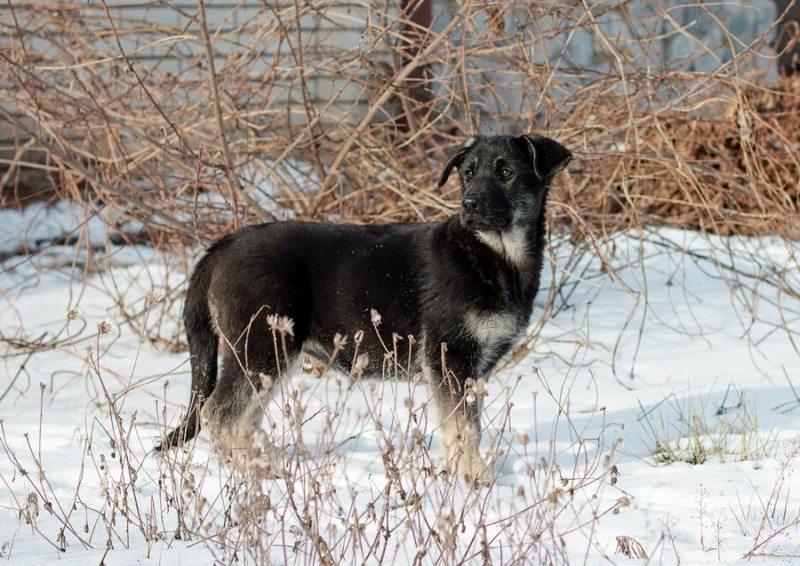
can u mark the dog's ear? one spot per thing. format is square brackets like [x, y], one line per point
[455, 159]
[548, 156]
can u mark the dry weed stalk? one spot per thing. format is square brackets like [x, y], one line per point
[630, 547]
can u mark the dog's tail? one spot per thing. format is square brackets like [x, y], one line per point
[203, 342]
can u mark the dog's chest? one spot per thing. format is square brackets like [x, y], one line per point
[494, 333]
[487, 328]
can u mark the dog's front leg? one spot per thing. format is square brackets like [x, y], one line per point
[460, 428]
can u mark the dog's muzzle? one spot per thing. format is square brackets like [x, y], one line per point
[472, 204]
[475, 214]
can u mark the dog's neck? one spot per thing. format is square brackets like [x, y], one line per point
[512, 245]
[520, 245]
[518, 248]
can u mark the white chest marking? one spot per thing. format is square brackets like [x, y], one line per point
[511, 244]
[488, 329]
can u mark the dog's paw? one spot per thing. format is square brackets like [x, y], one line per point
[472, 469]
[261, 460]
[266, 469]
[479, 476]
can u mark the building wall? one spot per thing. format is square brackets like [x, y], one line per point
[787, 42]
[297, 58]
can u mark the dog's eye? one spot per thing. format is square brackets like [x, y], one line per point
[505, 174]
[468, 173]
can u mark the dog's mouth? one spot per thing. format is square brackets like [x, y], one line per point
[473, 221]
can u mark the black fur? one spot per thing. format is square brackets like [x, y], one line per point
[467, 282]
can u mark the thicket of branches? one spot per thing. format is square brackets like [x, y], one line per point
[216, 116]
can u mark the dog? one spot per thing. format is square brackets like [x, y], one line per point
[460, 290]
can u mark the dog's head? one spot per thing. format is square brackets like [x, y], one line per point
[504, 179]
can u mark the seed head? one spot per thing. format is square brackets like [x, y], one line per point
[105, 326]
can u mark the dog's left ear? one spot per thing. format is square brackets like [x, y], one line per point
[455, 159]
[548, 156]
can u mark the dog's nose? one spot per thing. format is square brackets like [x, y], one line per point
[472, 203]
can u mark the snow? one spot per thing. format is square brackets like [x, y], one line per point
[657, 406]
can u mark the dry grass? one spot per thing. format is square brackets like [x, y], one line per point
[359, 486]
[726, 164]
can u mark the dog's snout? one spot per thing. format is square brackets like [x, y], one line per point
[472, 203]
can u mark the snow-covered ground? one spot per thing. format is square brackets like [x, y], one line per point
[656, 411]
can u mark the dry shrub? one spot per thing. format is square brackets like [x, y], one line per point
[202, 119]
[728, 165]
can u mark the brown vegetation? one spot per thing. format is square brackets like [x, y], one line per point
[221, 119]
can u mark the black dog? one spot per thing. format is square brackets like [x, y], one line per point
[463, 288]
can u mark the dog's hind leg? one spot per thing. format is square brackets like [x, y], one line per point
[233, 415]
[236, 409]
